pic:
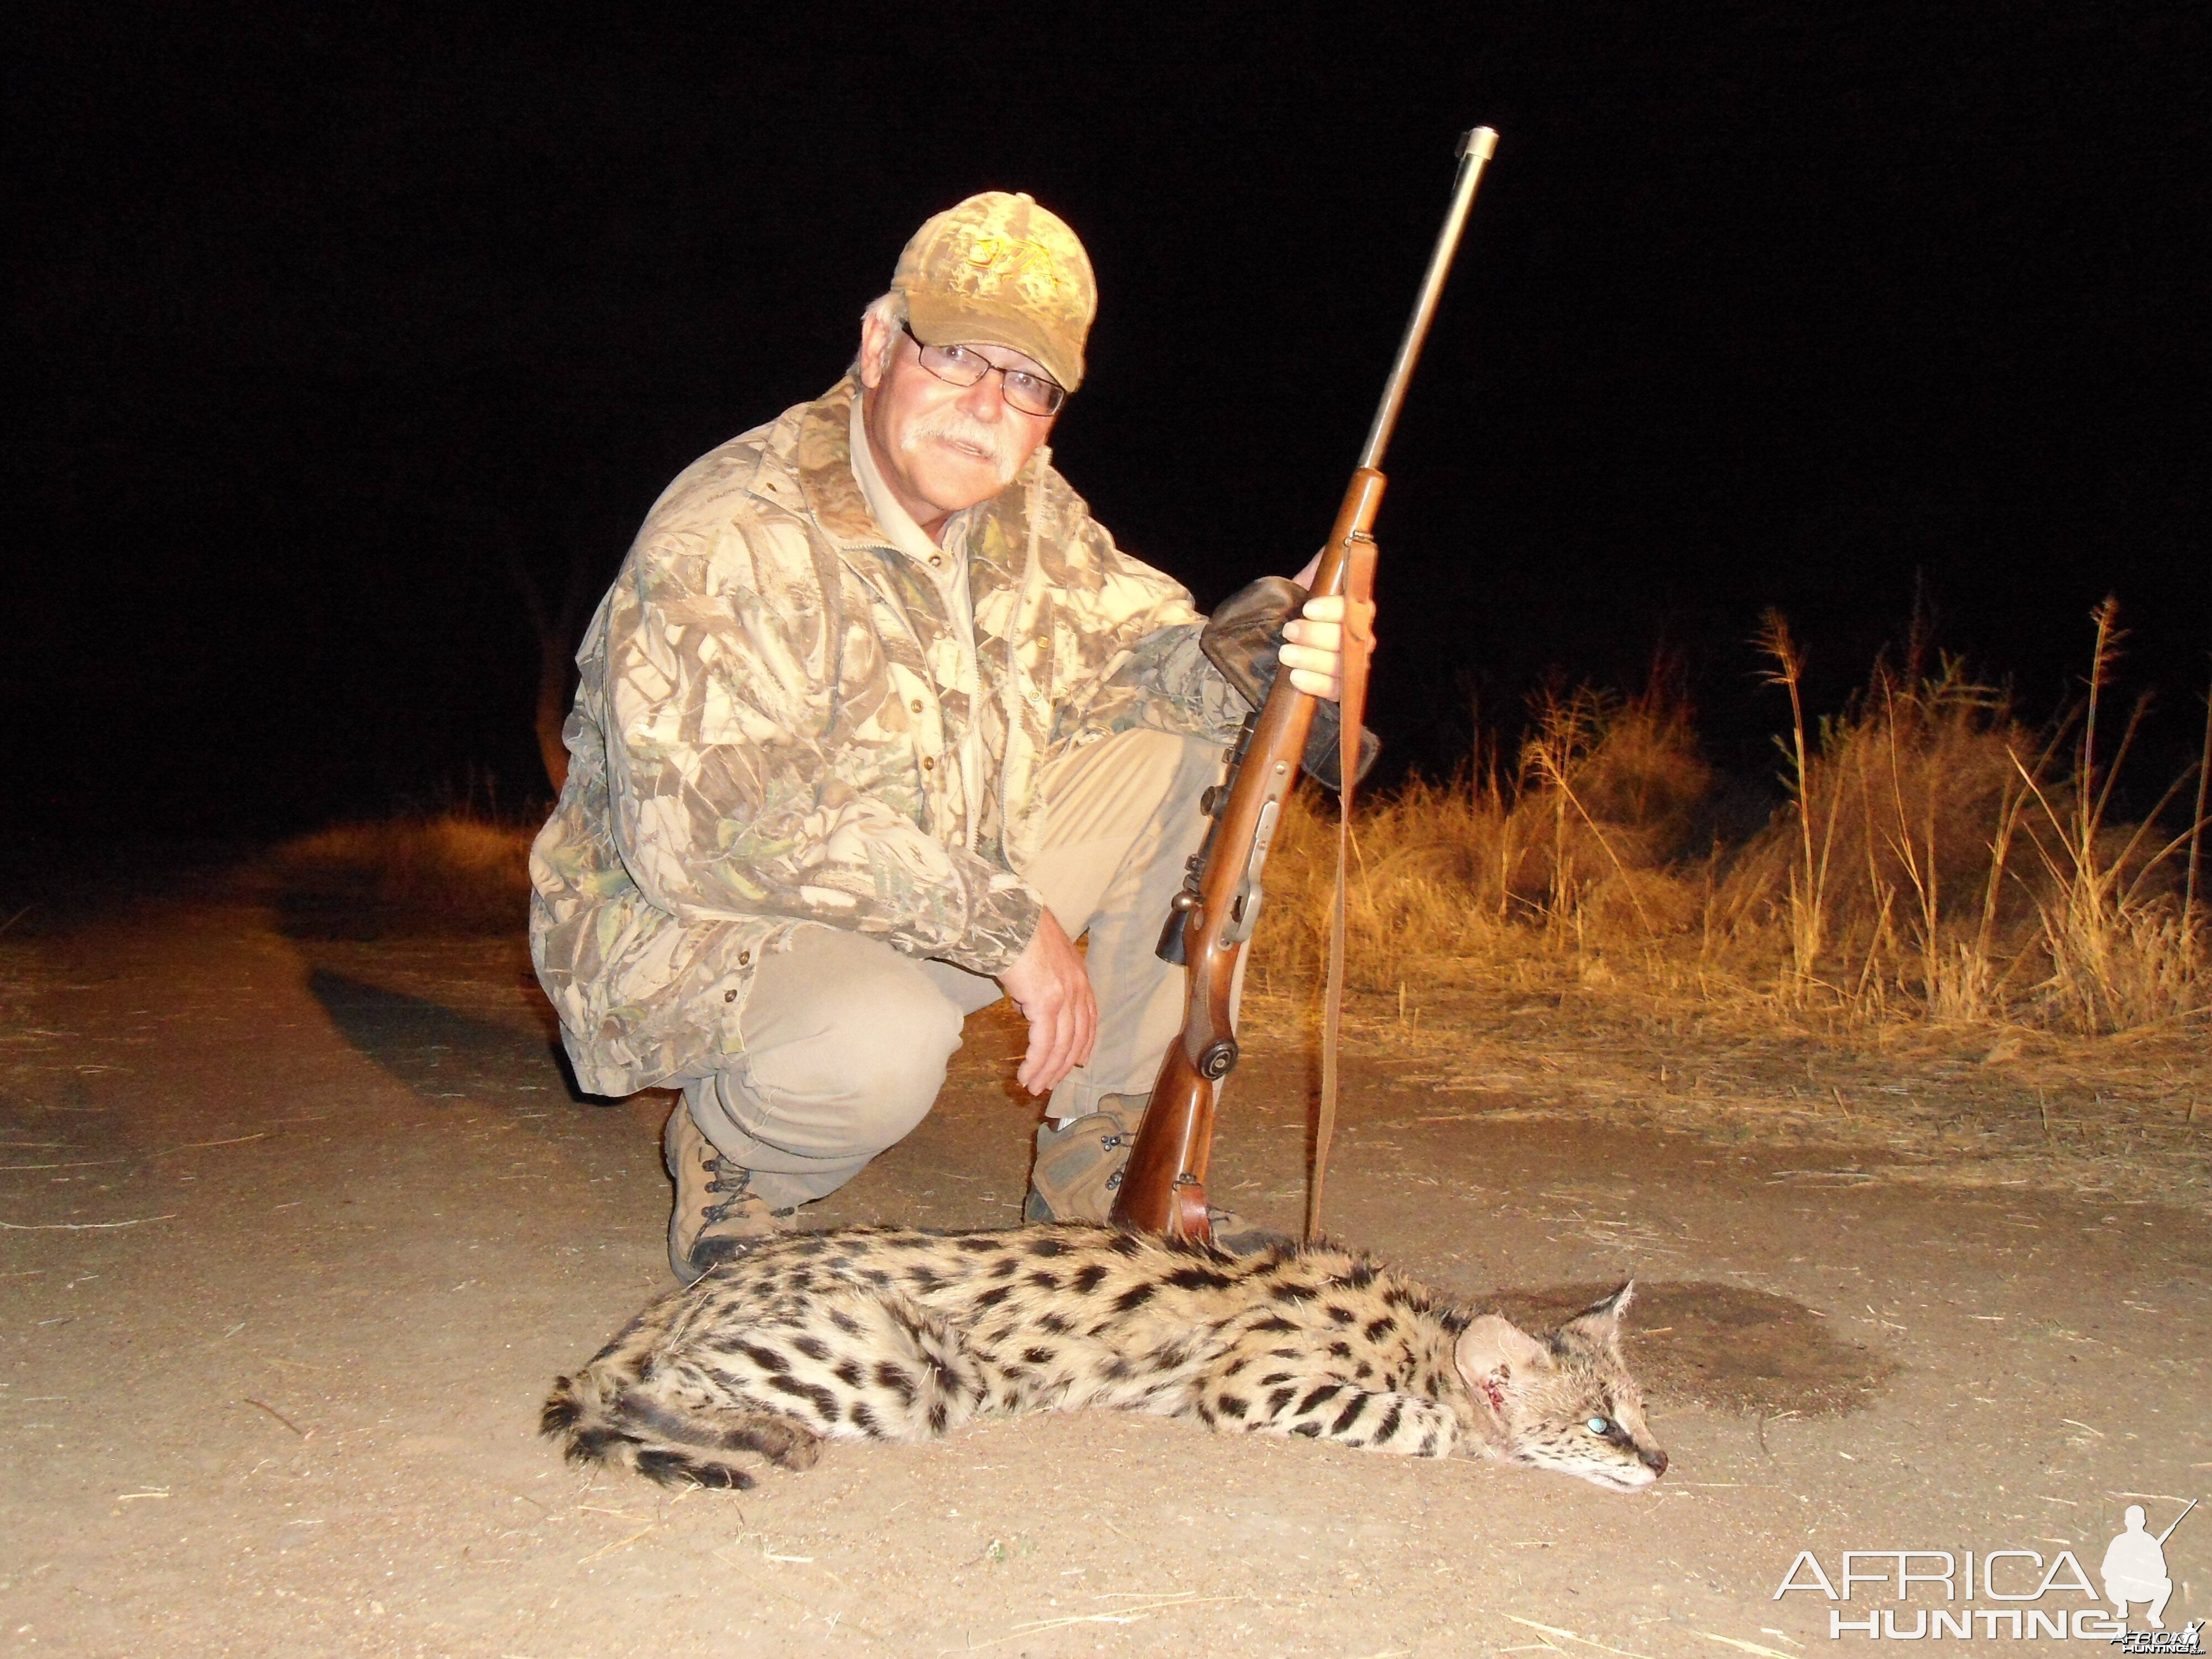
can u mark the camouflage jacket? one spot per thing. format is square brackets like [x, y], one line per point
[768, 727]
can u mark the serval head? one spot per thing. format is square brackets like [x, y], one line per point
[1565, 1403]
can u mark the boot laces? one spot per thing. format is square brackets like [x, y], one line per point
[724, 1177]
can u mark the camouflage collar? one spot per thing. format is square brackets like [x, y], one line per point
[822, 459]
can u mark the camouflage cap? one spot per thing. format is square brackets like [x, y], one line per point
[998, 269]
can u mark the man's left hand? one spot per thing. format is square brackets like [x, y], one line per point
[1312, 641]
[1313, 648]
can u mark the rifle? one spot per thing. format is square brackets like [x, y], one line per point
[1163, 1189]
[2178, 1520]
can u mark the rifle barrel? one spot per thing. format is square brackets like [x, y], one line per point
[1476, 147]
[2178, 1520]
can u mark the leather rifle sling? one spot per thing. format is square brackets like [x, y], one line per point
[1359, 645]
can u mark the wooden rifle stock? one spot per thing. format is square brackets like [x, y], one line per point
[1163, 1189]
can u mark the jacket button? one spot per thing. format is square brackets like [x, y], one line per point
[917, 705]
[729, 996]
[937, 561]
[929, 762]
[744, 958]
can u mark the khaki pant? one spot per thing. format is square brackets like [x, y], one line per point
[846, 1040]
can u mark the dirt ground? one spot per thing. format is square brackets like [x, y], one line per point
[296, 1228]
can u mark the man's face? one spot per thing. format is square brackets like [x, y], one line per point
[942, 448]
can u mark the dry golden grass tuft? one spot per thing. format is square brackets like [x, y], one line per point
[450, 869]
[1582, 851]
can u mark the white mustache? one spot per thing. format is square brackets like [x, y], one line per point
[952, 426]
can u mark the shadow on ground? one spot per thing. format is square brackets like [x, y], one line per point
[437, 1051]
[1725, 1346]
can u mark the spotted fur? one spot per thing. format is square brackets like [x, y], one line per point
[888, 1333]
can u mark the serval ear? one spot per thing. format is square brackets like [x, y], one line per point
[1596, 1328]
[1495, 1357]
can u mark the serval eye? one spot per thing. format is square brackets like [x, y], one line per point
[1599, 1425]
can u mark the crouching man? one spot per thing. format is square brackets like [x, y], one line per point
[874, 723]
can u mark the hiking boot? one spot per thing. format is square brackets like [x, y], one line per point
[1078, 1173]
[717, 1216]
[1079, 1163]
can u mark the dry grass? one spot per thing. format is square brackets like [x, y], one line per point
[2123, 950]
[1887, 875]
[1936, 862]
[450, 869]
[1582, 851]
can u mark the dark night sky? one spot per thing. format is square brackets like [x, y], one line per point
[1760, 306]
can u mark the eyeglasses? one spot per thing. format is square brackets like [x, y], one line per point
[960, 365]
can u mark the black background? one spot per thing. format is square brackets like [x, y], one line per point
[320, 319]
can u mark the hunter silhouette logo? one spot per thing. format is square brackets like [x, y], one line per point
[2135, 1567]
[2033, 1596]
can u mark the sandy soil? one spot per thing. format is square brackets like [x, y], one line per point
[298, 1229]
